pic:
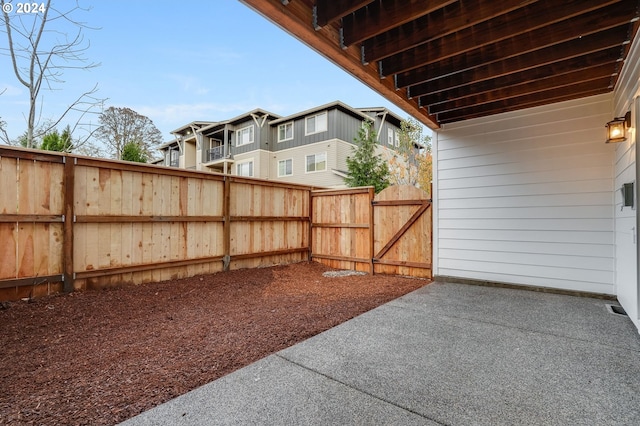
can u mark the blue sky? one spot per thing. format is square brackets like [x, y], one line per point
[177, 62]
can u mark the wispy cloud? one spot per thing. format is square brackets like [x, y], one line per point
[214, 55]
[171, 116]
[7, 89]
[190, 84]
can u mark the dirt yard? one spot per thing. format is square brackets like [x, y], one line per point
[98, 358]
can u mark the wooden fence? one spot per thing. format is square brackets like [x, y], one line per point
[69, 222]
[342, 228]
[388, 233]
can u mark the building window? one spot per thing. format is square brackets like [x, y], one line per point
[390, 137]
[174, 158]
[316, 162]
[315, 123]
[244, 136]
[245, 169]
[285, 132]
[285, 167]
[397, 138]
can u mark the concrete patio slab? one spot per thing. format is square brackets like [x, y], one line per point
[445, 354]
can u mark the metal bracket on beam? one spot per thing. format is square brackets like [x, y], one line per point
[315, 18]
[362, 58]
[382, 76]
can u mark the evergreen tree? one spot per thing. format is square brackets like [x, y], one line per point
[365, 167]
[54, 141]
[133, 151]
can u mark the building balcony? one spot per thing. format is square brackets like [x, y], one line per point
[217, 154]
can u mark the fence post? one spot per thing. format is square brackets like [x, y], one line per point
[372, 252]
[226, 231]
[69, 192]
[310, 235]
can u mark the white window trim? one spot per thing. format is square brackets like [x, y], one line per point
[285, 159]
[292, 130]
[390, 136]
[241, 130]
[306, 132]
[326, 161]
[249, 161]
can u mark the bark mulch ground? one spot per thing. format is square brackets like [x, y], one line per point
[100, 357]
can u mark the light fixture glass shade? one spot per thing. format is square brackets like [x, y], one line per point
[616, 131]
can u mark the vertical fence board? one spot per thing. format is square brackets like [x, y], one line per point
[41, 251]
[8, 187]
[42, 187]
[8, 250]
[26, 196]
[26, 253]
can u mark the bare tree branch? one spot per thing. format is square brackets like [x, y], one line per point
[40, 53]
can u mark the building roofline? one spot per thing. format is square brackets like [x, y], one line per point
[192, 124]
[168, 144]
[249, 113]
[331, 105]
[383, 109]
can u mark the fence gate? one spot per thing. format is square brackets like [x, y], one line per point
[402, 232]
[388, 234]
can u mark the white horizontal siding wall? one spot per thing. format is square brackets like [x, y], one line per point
[626, 170]
[526, 198]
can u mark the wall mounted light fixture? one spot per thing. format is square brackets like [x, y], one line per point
[617, 128]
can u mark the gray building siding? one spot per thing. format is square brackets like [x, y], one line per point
[383, 132]
[339, 126]
[247, 147]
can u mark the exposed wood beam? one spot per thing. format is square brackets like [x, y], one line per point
[526, 101]
[295, 19]
[380, 17]
[528, 87]
[460, 71]
[513, 34]
[567, 66]
[477, 114]
[452, 18]
[328, 11]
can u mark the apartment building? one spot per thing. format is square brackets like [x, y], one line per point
[308, 147]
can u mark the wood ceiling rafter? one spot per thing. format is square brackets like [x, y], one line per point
[453, 18]
[327, 11]
[525, 87]
[446, 75]
[513, 34]
[583, 88]
[379, 17]
[450, 60]
[605, 58]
